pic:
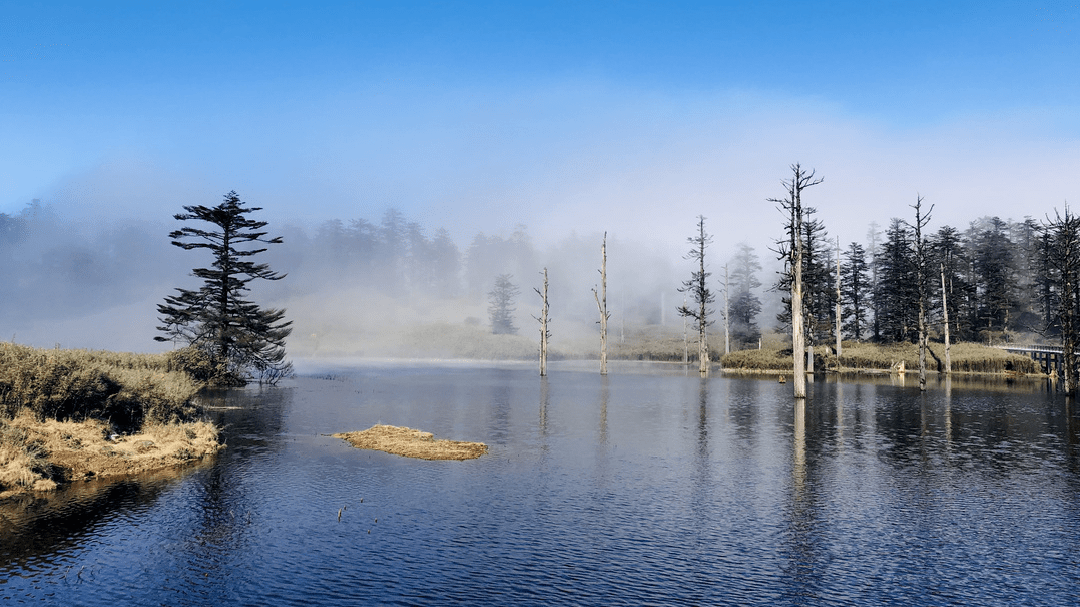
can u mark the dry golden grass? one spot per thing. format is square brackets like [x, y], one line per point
[412, 443]
[127, 389]
[966, 357]
[772, 359]
[22, 461]
[36, 454]
[61, 407]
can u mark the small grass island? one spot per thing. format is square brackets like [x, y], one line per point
[409, 442]
[71, 415]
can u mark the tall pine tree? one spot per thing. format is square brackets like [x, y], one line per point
[243, 340]
[745, 306]
[854, 290]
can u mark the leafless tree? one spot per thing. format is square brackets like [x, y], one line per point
[601, 304]
[839, 324]
[792, 253]
[921, 280]
[727, 314]
[945, 316]
[543, 319]
[1064, 260]
[697, 287]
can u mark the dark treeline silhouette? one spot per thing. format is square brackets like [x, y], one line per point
[991, 272]
[997, 275]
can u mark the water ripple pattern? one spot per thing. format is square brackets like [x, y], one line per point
[649, 486]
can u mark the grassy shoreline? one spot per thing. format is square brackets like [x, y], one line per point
[877, 358]
[69, 415]
[456, 341]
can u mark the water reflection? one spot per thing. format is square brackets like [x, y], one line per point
[544, 400]
[743, 407]
[840, 416]
[630, 488]
[802, 549]
[605, 396]
[499, 405]
[37, 528]
[798, 453]
[703, 419]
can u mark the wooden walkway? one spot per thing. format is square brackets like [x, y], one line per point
[1050, 357]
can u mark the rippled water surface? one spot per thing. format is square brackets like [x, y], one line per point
[648, 486]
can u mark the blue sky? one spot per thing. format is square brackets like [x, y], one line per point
[565, 116]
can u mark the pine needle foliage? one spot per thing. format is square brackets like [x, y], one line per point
[243, 340]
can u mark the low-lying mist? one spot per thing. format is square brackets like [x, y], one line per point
[380, 288]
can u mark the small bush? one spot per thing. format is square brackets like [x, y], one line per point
[758, 360]
[202, 367]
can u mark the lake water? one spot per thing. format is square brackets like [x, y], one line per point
[648, 486]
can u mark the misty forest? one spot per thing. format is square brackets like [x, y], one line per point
[388, 285]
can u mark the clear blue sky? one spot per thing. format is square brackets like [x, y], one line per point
[622, 115]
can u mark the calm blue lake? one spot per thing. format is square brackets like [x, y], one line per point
[648, 486]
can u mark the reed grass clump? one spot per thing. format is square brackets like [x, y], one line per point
[966, 357]
[124, 389]
[23, 462]
[771, 359]
[75, 414]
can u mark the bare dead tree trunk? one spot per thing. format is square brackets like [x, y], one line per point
[1068, 321]
[727, 314]
[920, 276]
[945, 311]
[703, 342]
[685, 339]
[839, 324]
[544, 334]
[798, 335]
[872, 240]
[601, 304]
[792, 253]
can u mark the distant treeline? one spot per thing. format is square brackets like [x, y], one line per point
[405, 259]
[397, 256]
[52, 267]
